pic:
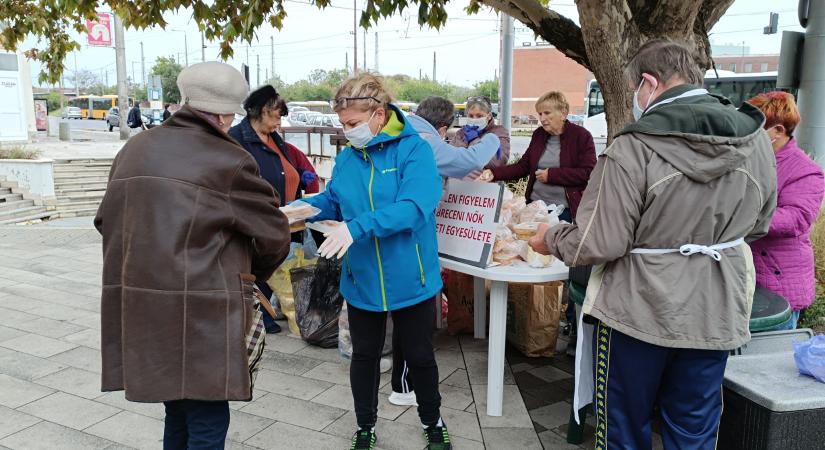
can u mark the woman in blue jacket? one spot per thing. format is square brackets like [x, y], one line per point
[384, 190]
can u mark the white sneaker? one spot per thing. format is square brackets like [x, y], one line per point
[408, 399]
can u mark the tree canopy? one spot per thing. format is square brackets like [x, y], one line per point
[322, 84]
[168, 69]
[609, 32]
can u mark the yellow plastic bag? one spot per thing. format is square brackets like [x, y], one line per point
[281, 284]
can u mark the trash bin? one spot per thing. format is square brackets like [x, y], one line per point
[770, 311]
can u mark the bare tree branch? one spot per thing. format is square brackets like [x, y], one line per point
[556, 29]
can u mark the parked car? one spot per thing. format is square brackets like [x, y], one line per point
[324, 120]
[72, 112]
[152, 117]
[576, 118]
[113, 117]
[301, 118]
[525, 119]
[285, 122]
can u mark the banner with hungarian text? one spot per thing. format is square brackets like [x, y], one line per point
[466, 221]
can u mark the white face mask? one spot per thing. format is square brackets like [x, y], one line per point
[638, 111]
[481, 122]
[361, 135]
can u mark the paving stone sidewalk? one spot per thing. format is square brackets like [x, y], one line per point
[50, 373]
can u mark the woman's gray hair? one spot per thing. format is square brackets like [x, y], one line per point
[438, 111]
[481, 102]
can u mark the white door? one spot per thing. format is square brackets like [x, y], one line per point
[12, 113]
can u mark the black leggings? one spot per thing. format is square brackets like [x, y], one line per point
[413, 329]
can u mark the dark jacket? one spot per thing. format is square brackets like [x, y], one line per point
[186, 222]
[269, 162]
[166, 115]
[577, 159]
[134, 119]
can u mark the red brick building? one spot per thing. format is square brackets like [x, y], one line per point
[747, 63]
[537, 70]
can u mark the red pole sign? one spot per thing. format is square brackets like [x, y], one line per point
[99, 32]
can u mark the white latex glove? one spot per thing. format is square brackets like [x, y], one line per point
[486, 176]
[337, 242]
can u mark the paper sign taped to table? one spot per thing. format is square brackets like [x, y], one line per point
[466, 221]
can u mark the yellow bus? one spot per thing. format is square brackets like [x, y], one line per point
[96, 106]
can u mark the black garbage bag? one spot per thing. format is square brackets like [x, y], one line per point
[318, 301]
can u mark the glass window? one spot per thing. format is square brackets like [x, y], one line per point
[748, 67]
[733, 67]
[763, 67]
[8, 61]
[595, 102]
[101, 104]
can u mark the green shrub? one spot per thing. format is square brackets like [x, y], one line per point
[814, 316]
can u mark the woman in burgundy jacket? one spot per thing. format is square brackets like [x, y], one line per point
[558, 161]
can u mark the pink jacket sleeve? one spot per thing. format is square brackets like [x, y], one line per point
[798, 203]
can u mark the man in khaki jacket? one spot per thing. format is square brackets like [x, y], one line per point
[666, 219]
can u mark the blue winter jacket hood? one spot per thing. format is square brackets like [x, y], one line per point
[387, 193]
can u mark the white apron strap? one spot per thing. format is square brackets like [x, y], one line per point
[692, 249]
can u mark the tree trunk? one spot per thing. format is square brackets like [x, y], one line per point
[612, 34]
[610, 38]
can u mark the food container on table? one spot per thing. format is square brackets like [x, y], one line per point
[525, 231]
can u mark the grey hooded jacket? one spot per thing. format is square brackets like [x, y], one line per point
[693, 171]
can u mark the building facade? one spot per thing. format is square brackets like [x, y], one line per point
[747, 63]
[538, 69]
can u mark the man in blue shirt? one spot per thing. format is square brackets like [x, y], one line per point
[433, 117]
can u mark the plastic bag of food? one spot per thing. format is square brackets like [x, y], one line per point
[510, 251]
[318, 301]
[810, 357]
[299, 211]
[281, 283]
[537, 260]
[529, 213]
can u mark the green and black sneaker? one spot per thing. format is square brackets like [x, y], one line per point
[438, 438]
[363, 439]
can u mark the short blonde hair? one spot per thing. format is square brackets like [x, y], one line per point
[556, 100]
[363, 84]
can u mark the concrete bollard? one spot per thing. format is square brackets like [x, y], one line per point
[54, 125]
[65, 131]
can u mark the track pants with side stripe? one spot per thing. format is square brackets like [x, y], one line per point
[633, 378]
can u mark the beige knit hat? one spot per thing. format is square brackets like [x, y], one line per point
[213, 87]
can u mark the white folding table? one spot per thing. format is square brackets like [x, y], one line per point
[500, 276]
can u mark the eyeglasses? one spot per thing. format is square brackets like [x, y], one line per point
[343, 102]
[478, 99]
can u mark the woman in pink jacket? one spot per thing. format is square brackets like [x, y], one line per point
[784, 258]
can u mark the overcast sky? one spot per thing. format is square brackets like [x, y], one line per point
[467, 47]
